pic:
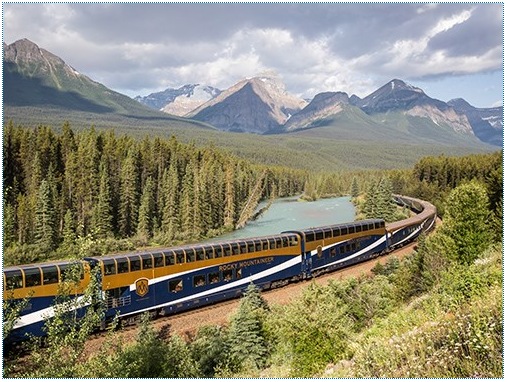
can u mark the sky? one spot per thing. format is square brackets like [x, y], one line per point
[449, 50]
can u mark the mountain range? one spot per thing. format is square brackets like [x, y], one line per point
[38, 84]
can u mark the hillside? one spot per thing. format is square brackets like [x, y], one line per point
[40, 87]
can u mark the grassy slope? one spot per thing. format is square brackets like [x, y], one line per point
[453, 331]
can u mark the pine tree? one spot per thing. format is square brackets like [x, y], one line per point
[45, 219]
[102, 214]
[187, 202]
[146, 211]
[69, 231]
[229, 197]
[467, 220]
[129, 194]
[171, 208]
[247, 343]
[8, 224]
[354, 189]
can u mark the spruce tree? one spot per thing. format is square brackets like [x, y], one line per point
[45, 219]
[467, 220]
[247, 343]
[146, 211]
[129, 194]
[354, 189]
[102, 214]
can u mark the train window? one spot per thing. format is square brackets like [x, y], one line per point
[272, 243]
[370, 226]
[336, 232]
[319, 235]
[147, 261]
[135, 263]
[175, 285]
[158, 260]
[199, 281]
[285, 242]
[278, 242]
[293, 241]
[382, 224]
[235, 248]
[258, 246]
[227, 275]
[265, 245]
[251, 246]
[351, 230]
[347, 248]
[122, 265]
[343, 231]
[50, 274]
[353, 246]
[32, 277]
[214, 277]
[360, 228]
[238, 273]
[243, 247]
[332, 252]
[227, 250]
[328, 234]
[377, 225]
[342, 249]
[310, 237]
[109, 267]
[64, 269]
[199, 253]
[218, 251]
[190, 255]
[13, 279]
[209, 253]
[169, 258]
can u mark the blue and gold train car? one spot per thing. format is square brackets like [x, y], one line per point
[40, 283]
[175, 279]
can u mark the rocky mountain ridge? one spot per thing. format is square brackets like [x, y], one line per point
[255, 105]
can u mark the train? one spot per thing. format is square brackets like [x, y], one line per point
[170, 280]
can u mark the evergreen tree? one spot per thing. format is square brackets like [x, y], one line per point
[247, 343]
[146, 211]
[45, 219]
[354, 189]
[8, 223]
[69, 231]
[129, 194]
[171, 194]
[467, 220]
[102, 214]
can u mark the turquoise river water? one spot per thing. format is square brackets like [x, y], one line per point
[289, 214]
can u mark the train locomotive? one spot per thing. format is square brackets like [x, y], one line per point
[170, 280]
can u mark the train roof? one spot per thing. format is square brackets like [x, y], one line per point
[43, 265]
[190, 246]
[340, 225]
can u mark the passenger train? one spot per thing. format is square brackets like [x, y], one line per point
[171, 280]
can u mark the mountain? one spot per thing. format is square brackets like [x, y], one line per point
[398, 96]
[487, 123]
[255, 105]
[180, 101]
[39, 87]
[321, 106]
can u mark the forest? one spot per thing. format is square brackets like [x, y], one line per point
[97, 192]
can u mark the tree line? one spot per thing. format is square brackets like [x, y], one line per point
[64, 190]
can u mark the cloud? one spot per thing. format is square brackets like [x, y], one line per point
[314, 47]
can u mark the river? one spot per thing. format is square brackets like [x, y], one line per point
[289, 214]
